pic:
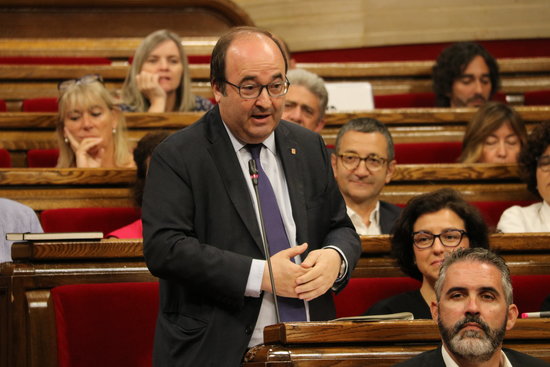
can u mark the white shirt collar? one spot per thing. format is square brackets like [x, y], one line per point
[269, 142]
[360, 227]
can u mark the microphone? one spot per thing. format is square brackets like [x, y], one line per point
[253, 170]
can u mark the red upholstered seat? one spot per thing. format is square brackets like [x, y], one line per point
[361, 293]
[3, 107]
[39, 105]
[42, 157]
[530, 291]
[103, 220]
[537, 98]
[407, 100]
[427, 152]
[107, 325]
[5, 159]
[492, 210]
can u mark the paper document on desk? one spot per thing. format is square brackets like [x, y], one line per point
[390, 316]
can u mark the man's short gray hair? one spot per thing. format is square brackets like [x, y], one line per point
[314, 83]
[480, 255]
[366, 125]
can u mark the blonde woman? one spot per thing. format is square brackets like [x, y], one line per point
[159, 80]
[495, 134]
[91, 130]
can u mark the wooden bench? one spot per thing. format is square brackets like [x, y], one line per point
[21, 131]
[36, 81]
[49, 188]
[118, 18]
[26, 331]
[525, 254]
[380, 344]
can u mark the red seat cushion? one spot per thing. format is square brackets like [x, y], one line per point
[42, 157]
[103, 220]
[3, 106]
[107, 325]
[537, 98]
[492, 210]
[407, 100]
[39, 105]
[530, 291]
[427, 152]
[361, 293]
[5, 159]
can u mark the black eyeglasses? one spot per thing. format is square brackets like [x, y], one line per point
[86, 79]
[373, 162]
[448, 238]
[543, 163]
[251, 90]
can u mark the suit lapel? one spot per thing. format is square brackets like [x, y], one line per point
[231, 175]
[291, 155]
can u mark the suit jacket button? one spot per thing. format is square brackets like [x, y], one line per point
[248, 330]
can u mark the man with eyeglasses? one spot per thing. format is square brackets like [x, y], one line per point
[363, 162]
[202, 221]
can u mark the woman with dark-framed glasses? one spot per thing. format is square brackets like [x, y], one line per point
[91, 129]
[429, 227]
[534, 163]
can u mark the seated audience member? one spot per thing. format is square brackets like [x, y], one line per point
[465, 75]
[306, 99]
[15, 218]
[473, 310]
[534, 161]
[159, 79]
[142, 156]
[429, 227]
[91, 129]
[363, 162]
[495, 134]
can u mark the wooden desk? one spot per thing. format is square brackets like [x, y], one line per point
[50, 188]
[378, 344]
[21, 131]
[27, 332]
[525, 253]
[47, 188]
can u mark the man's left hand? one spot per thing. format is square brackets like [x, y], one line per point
[324, 266]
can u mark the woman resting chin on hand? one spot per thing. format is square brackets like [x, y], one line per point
[91, 130]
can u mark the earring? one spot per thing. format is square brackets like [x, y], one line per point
[66, 140]
[114, 130]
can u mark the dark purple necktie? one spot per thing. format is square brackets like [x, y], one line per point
[290, 309]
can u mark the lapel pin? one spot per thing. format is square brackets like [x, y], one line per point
[293, 151]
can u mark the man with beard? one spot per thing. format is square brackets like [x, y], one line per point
[473, 311]
[465, 75]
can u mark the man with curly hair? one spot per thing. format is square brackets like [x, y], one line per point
[465, 75]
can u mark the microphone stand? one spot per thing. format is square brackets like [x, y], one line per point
[254, 177]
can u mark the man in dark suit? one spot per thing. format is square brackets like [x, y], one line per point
[202, 236]
[473, 311]
[363, 162]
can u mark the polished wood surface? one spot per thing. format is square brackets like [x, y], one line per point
[26, 327]
[20, 131]
[27, 331]
[382, 343]
[126, 18]
[47, 188]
